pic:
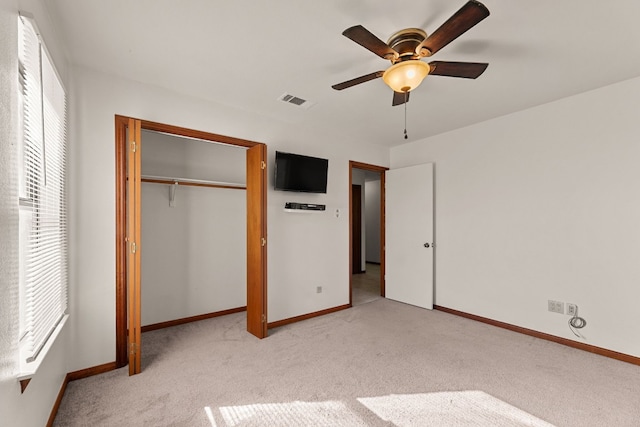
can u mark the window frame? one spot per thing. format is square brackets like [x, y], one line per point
[51, 120]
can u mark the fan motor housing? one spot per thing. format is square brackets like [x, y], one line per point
[405, 43]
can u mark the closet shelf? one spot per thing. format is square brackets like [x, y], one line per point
[174, 182]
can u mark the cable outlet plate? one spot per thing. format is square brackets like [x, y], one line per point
[556, 306]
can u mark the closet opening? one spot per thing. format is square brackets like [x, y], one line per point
[193, 230]
[190, 231]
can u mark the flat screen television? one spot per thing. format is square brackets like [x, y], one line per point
[294, 172]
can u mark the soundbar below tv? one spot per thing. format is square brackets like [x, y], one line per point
[295, 172]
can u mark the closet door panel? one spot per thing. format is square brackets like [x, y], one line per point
[257, 241]
[133, 243]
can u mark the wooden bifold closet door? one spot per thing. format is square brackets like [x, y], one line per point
[128, 232]
[134, 177]
[256, 241]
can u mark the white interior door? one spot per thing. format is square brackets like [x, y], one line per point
[409, 235]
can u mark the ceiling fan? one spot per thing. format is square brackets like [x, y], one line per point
[406, 48]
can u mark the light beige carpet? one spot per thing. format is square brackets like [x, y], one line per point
[460, 408]
[378, 364]
[366, 286]
[457, 408]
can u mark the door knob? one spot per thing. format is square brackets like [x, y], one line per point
[426, 245]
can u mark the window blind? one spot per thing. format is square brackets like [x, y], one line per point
[43, 195]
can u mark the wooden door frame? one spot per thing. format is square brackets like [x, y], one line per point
[121, 124]
[380, 170]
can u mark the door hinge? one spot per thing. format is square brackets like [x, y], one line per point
[133, 348]
[264, 318]
[263, 241]
[263, 165]
[133, 146]
[133, 247]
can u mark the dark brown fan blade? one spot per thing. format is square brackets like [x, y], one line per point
[358, 80]
[467, 70]
[366, 39]
[461, 21]
[400, 98]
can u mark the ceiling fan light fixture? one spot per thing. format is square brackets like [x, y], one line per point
[406, 75]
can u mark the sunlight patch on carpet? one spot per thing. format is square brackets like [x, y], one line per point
[209, 412]
[461, 408]
[294, 414]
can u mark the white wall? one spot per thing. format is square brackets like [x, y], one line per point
[173, 156]
[194, 253]
[305, 250]
[372, 220]
[542, 204]
[34, 406]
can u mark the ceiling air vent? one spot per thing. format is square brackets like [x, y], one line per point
[291, 99]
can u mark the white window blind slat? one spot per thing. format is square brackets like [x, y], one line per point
[44, 176]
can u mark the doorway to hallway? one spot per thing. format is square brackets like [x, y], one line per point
[366, 232]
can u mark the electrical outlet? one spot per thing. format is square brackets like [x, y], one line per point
[556, 306]
[319, 289]
[572, 309]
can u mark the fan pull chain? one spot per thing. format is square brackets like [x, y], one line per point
[406, 95]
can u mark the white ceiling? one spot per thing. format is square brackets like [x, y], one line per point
[247, 53]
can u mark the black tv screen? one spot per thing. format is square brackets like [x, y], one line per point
[294, 172]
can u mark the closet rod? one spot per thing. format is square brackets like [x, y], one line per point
[192, 182]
